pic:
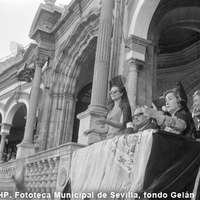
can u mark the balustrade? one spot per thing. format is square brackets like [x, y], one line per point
[41, 171]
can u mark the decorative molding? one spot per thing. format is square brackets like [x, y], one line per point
[136, 47]
[25, 75]
[45, 18]
[135, 40]
[71, 14]
[62, 177]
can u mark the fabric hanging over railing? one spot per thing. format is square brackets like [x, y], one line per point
[145, 165]
[112, 166]
[173, 166]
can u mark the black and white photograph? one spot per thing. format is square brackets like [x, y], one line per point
[100, 99]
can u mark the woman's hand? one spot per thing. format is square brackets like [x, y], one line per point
[154, 113]
[150, 112]
[101, 121]
[87, 132]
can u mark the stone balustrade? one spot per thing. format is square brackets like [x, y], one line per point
[41, 170]
[6, 182]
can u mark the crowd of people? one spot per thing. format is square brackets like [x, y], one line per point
[169, 113]
[10, 151]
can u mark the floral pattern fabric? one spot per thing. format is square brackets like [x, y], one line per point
[123, 149]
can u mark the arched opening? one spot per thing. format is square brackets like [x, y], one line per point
[175, 30]
[16, 133]
[83, 101]
[83, 88]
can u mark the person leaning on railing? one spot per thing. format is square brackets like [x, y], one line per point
[119, 111]
[176, 117]
[196, 111]
[142, 122]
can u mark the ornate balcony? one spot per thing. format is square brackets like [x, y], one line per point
[45, 172]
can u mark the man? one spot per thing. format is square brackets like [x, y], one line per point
[196, 104]
[196, 111]
[141, 121]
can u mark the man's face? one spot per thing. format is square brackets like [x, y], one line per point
[139, 119]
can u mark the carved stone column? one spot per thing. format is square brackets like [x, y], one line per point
[116, 40]
[133, 72]
[5, 130]
[140, 73]
[26, 148]
[101, 71]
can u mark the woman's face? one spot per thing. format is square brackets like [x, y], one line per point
[172, 104]
[115, 93]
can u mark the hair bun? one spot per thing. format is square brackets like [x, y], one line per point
[118, 81]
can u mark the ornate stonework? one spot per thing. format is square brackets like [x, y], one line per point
[62, 177]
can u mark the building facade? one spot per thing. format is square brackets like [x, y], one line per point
[58, 87]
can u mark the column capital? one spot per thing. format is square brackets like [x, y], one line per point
[137, 47]
[40, 60]
[131, 60]
[5, 128]
[133, 39]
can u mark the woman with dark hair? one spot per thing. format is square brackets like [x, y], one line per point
[176, 117]
[119, 111]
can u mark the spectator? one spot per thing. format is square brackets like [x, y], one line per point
[196, 111]
[177, 117]
[143, 122]
[119, 111]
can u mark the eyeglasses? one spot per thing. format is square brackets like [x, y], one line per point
[114, 92]
[137, 115]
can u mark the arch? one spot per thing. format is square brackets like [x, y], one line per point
[141, 17]
[82, 67]
[2, 110]
[69, 56]
[86, 28]
[12, 105]
[70, 60]
[17, 118]
[152, 20]
[83, 101]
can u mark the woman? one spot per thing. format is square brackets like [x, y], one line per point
[176, 117]
[119, 114]
[119, 111]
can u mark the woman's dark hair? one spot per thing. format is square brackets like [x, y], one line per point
[124, 98]
[180, 94]
[123, 104]
[180, 101]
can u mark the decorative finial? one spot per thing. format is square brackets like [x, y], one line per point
[50, 2]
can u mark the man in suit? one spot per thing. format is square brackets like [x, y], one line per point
[141, 121]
